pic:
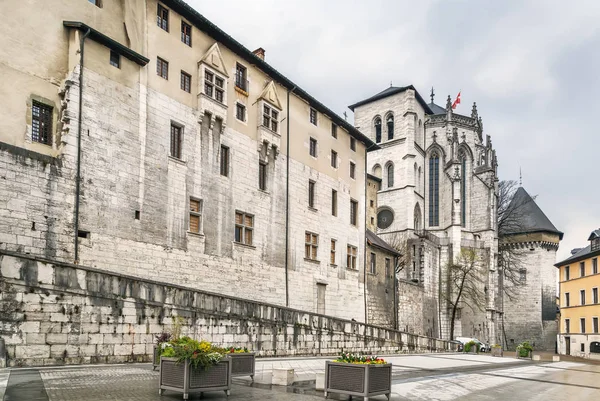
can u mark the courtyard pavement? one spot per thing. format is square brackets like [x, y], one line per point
[414, 377]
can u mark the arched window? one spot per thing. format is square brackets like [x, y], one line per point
[377, 171]
[417, 218]
[390, 175]
[434, 189]
[415, 177]
[462, 156]
[378, 130]
[390, 127]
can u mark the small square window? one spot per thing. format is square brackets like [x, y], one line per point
[313, 147]
[115, 59]
[313, 116]
[162, 68]
[353, 144]
[240, 112]
[162, 18]
[334, 130]
[186, 33]
[186, 82]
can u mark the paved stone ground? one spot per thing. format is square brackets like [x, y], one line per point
[415, 377]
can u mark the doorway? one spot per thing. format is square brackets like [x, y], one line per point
[568, 345]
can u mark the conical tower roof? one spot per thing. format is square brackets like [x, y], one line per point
[532, 218]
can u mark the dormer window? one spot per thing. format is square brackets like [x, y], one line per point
[214, 86]
[595, 244]
[270, 118]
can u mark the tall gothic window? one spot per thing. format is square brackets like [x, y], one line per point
[434, 189]
[378, 130]
[390, 126]
[463, 188]
[390, 175]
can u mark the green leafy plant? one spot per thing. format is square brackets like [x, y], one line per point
[524, 349]
[347, 357]
[469, 346]
[198, 353]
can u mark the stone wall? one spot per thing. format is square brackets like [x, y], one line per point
[57, 313]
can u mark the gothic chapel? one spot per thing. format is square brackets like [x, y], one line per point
[438, 195]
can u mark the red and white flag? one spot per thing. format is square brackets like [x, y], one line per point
[456, 101]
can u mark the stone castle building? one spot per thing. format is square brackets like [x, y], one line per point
[530, 310]
[438, 195]
[139, 138]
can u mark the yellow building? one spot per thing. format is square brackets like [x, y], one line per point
[579, 307]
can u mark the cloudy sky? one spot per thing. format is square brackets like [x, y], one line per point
[531, 66]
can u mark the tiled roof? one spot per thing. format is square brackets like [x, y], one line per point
[375, 241]
[534, 220]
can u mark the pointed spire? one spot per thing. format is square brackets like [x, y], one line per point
[432, 95]
[449, 103]
[520, 177]
[474, 111]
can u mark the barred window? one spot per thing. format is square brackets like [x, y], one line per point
[176, 136]
[186, 33]
[41, 123]
[244, 226]
[313, 116]
[186, 80]
[162, 18]
[270, 118]
[332, 256]
[195, 215]
[162, 68]
[311, 245]
[313, 147]
[351, 257]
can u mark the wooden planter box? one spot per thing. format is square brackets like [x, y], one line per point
[360, 380]
[183, 378]
[497, 351]
[242, 364]
[155, 357]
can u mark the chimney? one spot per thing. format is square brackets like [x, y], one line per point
[260, 53]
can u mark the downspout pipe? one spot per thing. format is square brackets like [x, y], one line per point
[365, 237]
[287, 200]
[78, 177]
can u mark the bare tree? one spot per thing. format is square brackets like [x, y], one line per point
[511, 221]
[465, 284]
[399, 242]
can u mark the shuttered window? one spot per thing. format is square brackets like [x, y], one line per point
[195, 215]
[244, 228]
[311, 245]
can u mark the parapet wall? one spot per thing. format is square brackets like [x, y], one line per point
[57, 313]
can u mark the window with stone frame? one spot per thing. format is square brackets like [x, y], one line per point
[311, 245]
[333, 202]
[582, 297]
[270, 118]
[582, 269]
[313, 147]
[262, 175]
[353, 212]
[334, 130]
[186, 82]
[241, 77]
[595, 266]
[41, 123]
[313, 116]
[373, 267]
[378, 130]
[214, 85]
[351, 253]
[594, 295]
[332, 255]
[390, 175]
[390, 126]
[388, 268]
[567, 299]
[567, 326]
[162, 17]
[186, 33]
[244, 228]
[582, 325]
[195, 215]
[595, 325]
[333, 159]
[311, 193]
[353, 144]
[434, 189]
[176, 140]
[115, 59]
[567, 273]
[162, 68]
[240, 112]
[224, 161]
[352, 170]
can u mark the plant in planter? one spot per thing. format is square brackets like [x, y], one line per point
[360, 375]
[524, 350]
[472, 347]
[160, 339]
[497, 350]
[190, 366]
[242, 362]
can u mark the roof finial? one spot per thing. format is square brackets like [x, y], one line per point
[390, 84]
[432, 95]
[345, 116]
[520, 177]
[448, 103]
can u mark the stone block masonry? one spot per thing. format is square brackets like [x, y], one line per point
[57, 313]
